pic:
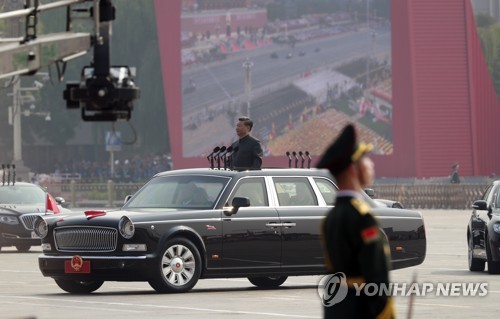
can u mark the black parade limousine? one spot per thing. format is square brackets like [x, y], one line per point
[190, 224]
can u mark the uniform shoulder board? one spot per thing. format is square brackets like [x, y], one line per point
[362, 207]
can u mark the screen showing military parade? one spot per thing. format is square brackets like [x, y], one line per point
[298, 69]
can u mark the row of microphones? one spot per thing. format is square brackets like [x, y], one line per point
[296, 155]
[11, 171]
[221, 154]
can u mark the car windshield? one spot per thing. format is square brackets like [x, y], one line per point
[22, 195]
[187, 191]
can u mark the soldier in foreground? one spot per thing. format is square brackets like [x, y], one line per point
[353, 244]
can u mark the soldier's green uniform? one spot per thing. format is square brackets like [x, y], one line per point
[352, 241]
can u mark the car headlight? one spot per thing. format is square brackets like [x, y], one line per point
[40, 227]
[10, 220]
[496, 228]
[126, 227]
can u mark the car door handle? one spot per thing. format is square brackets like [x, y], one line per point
[274, 225]
[289, 225]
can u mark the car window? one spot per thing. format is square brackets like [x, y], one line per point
[497, 199]
[22, 195]
[254, 189]
[294, 191]
[491, 195]
[189, 191]
[487, 193]
[327, 189]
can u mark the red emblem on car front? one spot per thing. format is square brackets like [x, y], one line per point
[76, 263]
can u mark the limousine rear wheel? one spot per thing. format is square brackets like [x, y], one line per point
[178, 268]
[78, 286]
[267, 282]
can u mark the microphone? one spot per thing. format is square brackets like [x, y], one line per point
[230, 157]
[308, 159]
[296, 159]
[216, 149]
[226, 154]
[210, 156]
[218, 154]
[289, 159]
[302, 159]
[8, 174]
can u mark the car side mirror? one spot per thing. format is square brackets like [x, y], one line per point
[480, 205]
[370, 192]
[237, 203]
[127, 198]
[61, 201]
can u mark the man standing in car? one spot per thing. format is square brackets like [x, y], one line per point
[247, 151]
[355, 249]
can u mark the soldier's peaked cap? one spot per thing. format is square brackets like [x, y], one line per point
[345, 149]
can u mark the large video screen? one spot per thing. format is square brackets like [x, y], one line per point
[300, 70]
[487, 15]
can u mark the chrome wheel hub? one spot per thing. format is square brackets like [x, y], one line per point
[178, 265]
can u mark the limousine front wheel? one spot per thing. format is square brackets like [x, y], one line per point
[178, 268]
[267, 282]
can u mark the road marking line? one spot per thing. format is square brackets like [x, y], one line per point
[71, 307]
[270, 314]
[441, 305]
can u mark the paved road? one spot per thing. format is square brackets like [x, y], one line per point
[24, 292]
[223, 81]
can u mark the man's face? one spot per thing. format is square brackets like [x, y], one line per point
[366, 171]
[241, 129]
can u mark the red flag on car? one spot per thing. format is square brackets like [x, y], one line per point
[51, 204]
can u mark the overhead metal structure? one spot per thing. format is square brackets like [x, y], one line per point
[100, 93]
[26, 55]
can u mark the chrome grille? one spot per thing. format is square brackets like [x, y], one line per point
[85, 238]
[28, 220]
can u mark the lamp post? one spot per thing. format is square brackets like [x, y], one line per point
[369, 55]
[15, 119]
[247, 65]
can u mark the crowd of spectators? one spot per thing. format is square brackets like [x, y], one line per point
[135, 170]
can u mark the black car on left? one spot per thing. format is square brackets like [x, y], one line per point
[20, 204]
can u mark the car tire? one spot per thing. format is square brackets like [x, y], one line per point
[475, 264]
[178, 268]
[267, 282]
[79, 286]
[493, 266]
[23, 247]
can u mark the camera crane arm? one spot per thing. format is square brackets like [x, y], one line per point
[101, 96]
[23, 56]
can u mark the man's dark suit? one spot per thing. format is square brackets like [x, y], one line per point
[248, 153]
